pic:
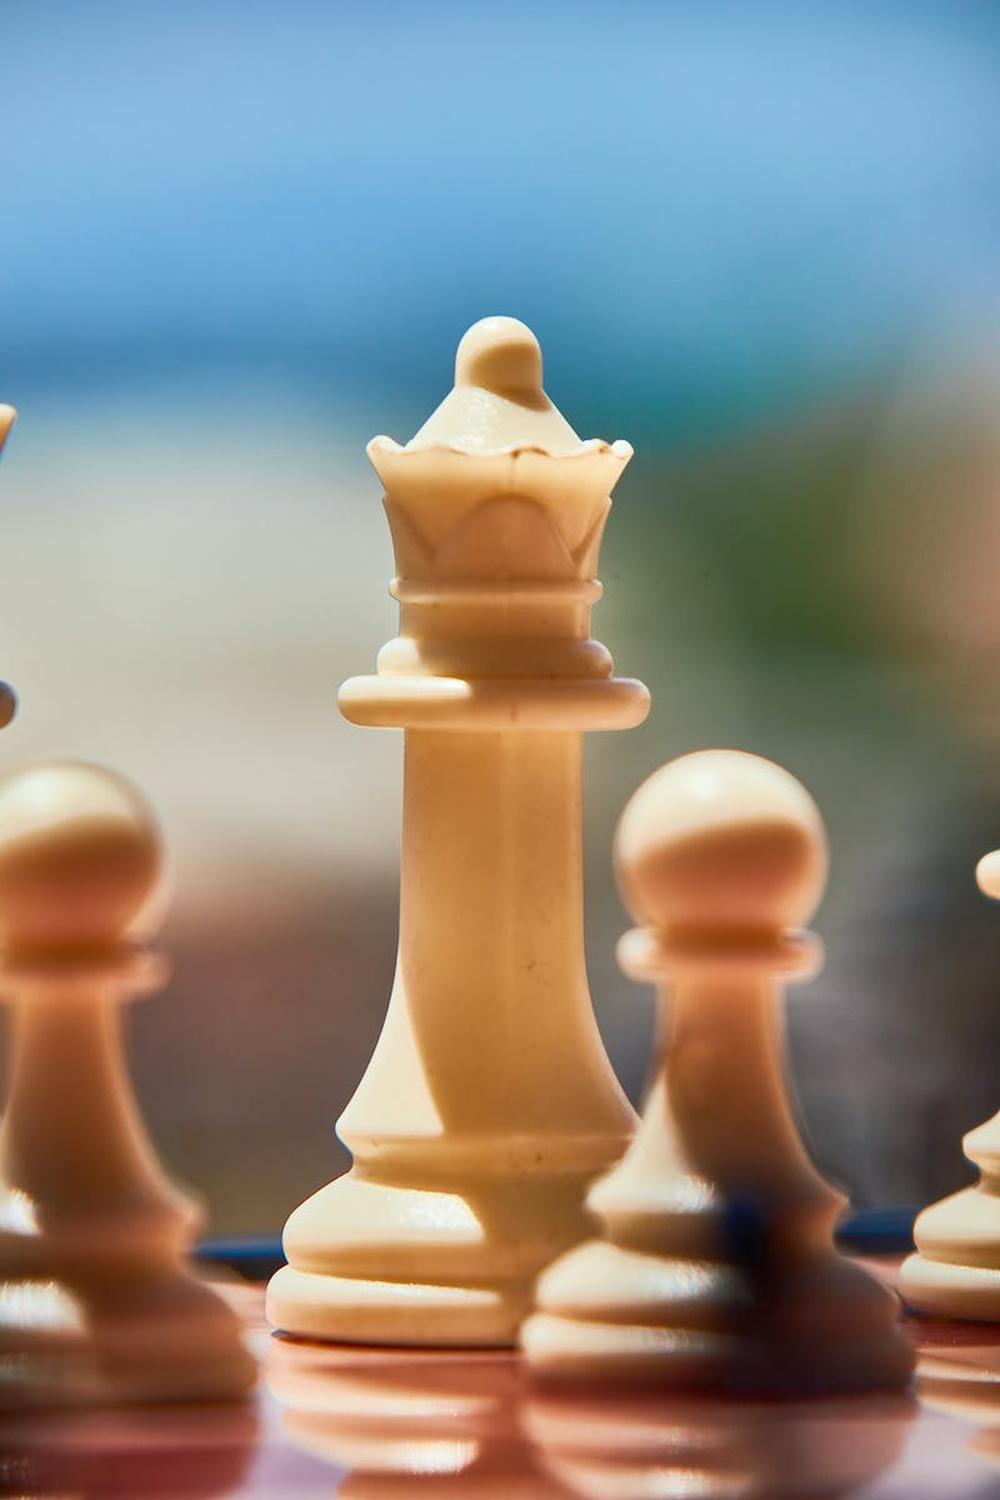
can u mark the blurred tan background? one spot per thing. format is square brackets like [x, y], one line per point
[762, 243]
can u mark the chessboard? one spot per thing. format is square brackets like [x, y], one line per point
[355, 1421]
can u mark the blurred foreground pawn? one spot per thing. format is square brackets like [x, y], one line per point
[97, 1305]
[717, 1267]
[8, 698]
[956, 1270]
[489, 1104]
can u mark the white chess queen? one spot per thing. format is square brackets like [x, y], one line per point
[489, 1104]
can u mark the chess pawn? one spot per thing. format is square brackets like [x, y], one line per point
[8, 698]
[716, 1268]
[97, 1304]
[955, 1271]
[489, 1104]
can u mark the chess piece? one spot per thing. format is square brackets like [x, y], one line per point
[489, 1103]
[716, 1268]
[8, 698]
[955, 1271]
[97, 1305]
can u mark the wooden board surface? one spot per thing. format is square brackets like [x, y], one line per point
[383, 1423]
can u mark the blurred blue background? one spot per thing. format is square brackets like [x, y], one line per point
[761, 241]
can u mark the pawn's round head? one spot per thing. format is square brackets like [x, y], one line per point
[721, 839]
[988, 874]
[8, 704]
[80, 857]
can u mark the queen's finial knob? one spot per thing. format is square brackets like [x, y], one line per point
[501, 355]
[497, 406]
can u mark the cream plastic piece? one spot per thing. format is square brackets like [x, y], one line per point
[489, 1104]
[716, 1268]
[955, 1271]
[8, 698]
[95, 1302]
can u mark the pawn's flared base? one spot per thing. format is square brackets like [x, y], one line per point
[944, 1289]
[609, 1314]
[956, 1270]
[124, 1340]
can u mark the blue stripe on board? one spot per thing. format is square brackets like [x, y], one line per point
[869, 1231]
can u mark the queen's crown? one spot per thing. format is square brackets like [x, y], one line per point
[496, 487]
